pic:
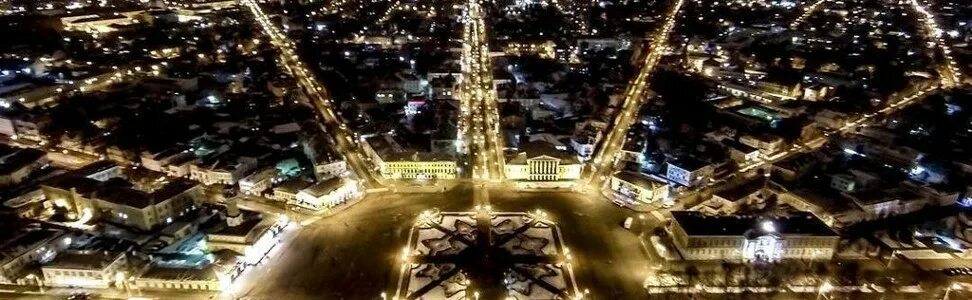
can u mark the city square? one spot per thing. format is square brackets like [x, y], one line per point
[485, 149]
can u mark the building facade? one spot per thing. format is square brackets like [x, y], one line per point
[638, 188]
[752, 238]
[327, 193]
[541, 161]
[96, 269]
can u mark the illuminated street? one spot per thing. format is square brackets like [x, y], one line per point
[479, 122]
[495, 150]
[602, 163]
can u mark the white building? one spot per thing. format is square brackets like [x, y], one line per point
[638, 188]
[27, 247]
[221, 171]
[91, 269]
[124, 205]
[157, 277]
[395, 162]
[767, 144]
[540, 161]
[258, 182]
[752, 238]
[100, 23]
[689, 171]
[327, 193]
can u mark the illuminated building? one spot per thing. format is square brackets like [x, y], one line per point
[541, 161]
[222, 171]
[395, 162]
[89, 269]
[327, 193]
[259, 181]
[752, 238]
[100, 23]
[17, 164]
[739, 152]
[248, 234]
[689, 171]
[543, 49]
[636, 187]
[122, 204]
[327, 162]
[26, 247]
[157, 277]
[767, 144]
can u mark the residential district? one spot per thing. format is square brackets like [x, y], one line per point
[473, 149]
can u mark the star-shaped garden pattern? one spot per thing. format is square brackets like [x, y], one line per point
[486, 255]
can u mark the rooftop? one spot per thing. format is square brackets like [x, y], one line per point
[84, 260]
[798, 223]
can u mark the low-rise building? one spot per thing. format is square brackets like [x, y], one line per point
[17, 164]
[638, 188]
[327, 193]
[752, 238]
[118, 202]
[395, 162]
[223, 171]
[741, 153]
[87, 269]
[540, 161]
[26, 247]
[767, 144]
[689, 171]
[258, 182]
[159, 277]
[287, 191]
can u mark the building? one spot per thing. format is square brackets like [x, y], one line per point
[17, 164]
[258, 182]
[100, 23]
[223, 171]
[117, 201]
[327, 193]
[689, 171]
[752, 238]
[252, 237]
[159, 277]
[327, 162]
[753, 193]
[541, 161]
[767, 144]
[638, 188]
[739, 152]
[24, 248]
[287, 191]
[395, 162]
[87, 269]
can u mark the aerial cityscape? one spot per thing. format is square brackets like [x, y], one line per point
[485, 149]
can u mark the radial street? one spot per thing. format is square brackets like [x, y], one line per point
[343, 139]
[479, 122]
[602, 162]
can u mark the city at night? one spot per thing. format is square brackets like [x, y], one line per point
[486, 149]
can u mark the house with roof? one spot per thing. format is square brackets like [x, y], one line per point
[541, 161]
[638, 188]
[117, 200]
[88, 269]
[396, 161]
[689, 171]
[751, 237]
[327, 193]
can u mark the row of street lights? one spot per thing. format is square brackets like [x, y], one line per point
[604, 157]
